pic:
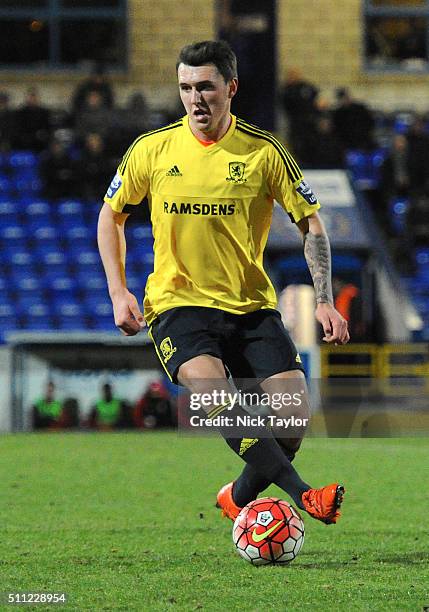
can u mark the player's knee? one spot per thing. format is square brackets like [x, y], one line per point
[199, 372]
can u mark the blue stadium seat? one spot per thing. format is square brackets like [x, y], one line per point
[92, 282]
[421, 255]
[8, 211]
[12, 236]
[101, 308]
[6, 186]
[35, 323]
[93, 299]
[73, 208]
[365, 167]
[77, 324]
[6, 303]
[417, 286]
[54, 261]
[89, 261]
[8, 323]
[19, 259]
[4, 285]
[70, 315]
[140, 257]
[35, 316]
[103, 323]
[66, 307]
[27, 184]
[44, 237]
[36, 209]
[28, 304]
[398, 208]
[78, 234]
[60, 284]
[25, 301]
[140, 233]
[139, 270]
[135, 284]
[422, 273]
[19, 160]
[26, 284]
[422, 304]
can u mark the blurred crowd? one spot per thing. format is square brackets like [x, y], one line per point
[80, 146]
[387, 155]
[155, 409]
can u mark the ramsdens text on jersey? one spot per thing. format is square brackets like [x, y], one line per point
[186, 208]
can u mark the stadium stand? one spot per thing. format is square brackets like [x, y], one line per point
[52, 275]
[48, 247]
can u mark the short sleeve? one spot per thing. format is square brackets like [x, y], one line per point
[131, 181]
[287, 184]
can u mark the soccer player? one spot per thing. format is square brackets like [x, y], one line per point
[211, 180]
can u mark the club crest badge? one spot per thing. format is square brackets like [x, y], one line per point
[167, 349]
[236, 172]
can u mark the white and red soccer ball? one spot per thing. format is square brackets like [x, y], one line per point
[268, 531]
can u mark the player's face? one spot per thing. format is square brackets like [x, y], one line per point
[206, 98]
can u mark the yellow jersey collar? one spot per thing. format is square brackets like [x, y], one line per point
[221, 142]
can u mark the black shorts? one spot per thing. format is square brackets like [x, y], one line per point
[254, 345]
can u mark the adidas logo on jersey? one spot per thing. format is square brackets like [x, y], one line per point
[174, 171]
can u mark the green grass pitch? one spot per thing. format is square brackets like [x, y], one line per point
[127, 522]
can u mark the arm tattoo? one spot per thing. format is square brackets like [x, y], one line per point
[318, 255]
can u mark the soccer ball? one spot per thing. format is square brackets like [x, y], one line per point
[268, 531]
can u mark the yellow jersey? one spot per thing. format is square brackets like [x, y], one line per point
[211, 209]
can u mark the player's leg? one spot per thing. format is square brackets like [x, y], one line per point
[257, 447]
[322, 504]
[250, 483]
[268, 353]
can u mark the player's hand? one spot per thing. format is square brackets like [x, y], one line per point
[334, 325]
[128, 317]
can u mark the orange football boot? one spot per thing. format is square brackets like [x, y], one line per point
[226, 503]
[323, 504]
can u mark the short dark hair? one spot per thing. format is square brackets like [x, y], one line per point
[217, 52]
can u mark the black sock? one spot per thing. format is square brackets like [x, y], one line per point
[262, 451]
[250, 482]
[248, 485]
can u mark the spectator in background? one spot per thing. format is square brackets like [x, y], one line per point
[353, 122]
[109, 412]
[299, 101]
[57, 171]
[7, 123]
[128, 123]
[247, 26]
[417, 225]
[155, 408]
[93, 168]
[47, 412]
[395, 181]
[418, 146]
[326, 150]
[32, 123]
[94, 116]
[348, 302]
[96, 82]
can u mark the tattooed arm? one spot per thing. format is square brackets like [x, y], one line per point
[318, 255]
[317, 252]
